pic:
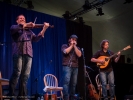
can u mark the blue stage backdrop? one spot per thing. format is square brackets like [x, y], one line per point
[47, 52]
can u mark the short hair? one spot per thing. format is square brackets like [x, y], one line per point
[18, 16]
[103, 43]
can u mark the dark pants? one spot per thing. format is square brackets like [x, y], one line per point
[21, 68]
[70, 73]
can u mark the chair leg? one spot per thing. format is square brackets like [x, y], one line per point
[115, 97]
[0, 91]
[100, 93]
[61, 95]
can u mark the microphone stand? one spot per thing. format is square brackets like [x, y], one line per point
[84, 72]
[36, 80]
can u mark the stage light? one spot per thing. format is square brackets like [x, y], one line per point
[29, 4]
[100, 12]
[87, 5]
[67, 15]
[127, 1]
[81, 20]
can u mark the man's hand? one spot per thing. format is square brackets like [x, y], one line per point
[46, 25]
[73, 42]
[119, 53]
[102, 61]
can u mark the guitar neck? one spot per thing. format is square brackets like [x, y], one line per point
[115, 54]
[88, 77]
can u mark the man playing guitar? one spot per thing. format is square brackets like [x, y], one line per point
[107, 72]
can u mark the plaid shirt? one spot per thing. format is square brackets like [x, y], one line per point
[22, 40]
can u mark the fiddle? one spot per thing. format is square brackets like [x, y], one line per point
[30, 26]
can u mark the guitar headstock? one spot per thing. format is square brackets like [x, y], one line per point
[127, 47]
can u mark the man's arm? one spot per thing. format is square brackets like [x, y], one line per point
[94, 58]
[41, 34]
[46, 25]
[67, 50]
[77, 51]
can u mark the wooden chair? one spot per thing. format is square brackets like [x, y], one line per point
[2, 82]
[51, 85]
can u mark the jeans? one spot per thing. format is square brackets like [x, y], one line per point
[110, 76]
[21, 68]
[69, 81]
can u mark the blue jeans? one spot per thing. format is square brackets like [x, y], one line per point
[21, 68]
[110, 76]
[69, 81]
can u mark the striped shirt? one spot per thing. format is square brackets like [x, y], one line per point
[70, 59]
[22, 40]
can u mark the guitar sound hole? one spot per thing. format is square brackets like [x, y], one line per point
[106, 59]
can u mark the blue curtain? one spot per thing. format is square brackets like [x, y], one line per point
[47, 57]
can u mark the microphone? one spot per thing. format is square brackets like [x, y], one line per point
[82, 49]
[1, 43]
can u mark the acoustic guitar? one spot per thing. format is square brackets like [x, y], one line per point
[107, 59]
[92, 91]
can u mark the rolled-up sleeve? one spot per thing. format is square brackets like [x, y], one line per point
[15, 28]
[64, 46]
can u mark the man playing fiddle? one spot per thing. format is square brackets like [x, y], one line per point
[22, 53]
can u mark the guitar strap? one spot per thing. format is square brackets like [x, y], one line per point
[109, 52]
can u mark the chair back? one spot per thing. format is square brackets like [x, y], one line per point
[97, 80]
[0, 75]
[50, 80]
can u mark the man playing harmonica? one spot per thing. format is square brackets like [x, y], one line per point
[71, 53]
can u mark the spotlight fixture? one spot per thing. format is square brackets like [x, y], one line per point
[127, 1]
[29, 4]
[80, 19]
[87, 5]
[100, 12]
[67, 15]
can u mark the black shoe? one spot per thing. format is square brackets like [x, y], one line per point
[112, 98]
